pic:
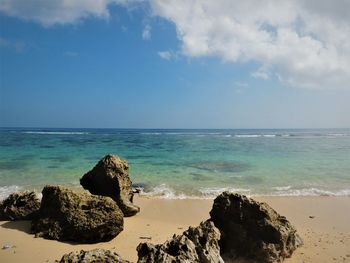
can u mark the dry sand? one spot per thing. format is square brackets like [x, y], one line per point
[323, 223]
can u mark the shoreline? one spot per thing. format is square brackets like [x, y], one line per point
[170, 194]
[322, 222]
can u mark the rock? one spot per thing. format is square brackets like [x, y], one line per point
[81, 217]
[252, 230]
[92, 256]
[19, 206]
[197, 244]
[110, 177]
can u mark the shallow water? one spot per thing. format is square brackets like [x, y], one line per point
[183, 163]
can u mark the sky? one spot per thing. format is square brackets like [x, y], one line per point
[175, 63]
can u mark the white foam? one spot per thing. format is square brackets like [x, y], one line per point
[213, 192]
[163, 191]
[255, 135]
[338, 134]
[5, 191]
[54, 133]
[247, 135]
[310, 192]
[282, 188]
[285, 135]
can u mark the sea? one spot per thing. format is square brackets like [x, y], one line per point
[179, 164]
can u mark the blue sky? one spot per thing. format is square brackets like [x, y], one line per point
[127, 64]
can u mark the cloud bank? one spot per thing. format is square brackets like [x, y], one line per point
[303, 43]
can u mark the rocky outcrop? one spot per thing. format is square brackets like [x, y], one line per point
[92, 256]
[81, 217]
[197, 244]
[19, 206]
[252, 230]
[110, 177]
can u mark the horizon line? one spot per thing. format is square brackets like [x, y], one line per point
[118, 128]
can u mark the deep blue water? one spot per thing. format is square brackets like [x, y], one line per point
[181, 163]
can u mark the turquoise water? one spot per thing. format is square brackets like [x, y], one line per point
[183, 163]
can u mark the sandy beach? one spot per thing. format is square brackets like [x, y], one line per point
[323, 223]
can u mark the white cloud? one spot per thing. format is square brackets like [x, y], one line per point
[165, 54]
[306, 42]
[51, 12]
[146, 33]
[261, 73]
[240, 87]
[17, 46]
[241, 84]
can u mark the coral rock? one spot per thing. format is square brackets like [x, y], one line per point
[81, 217]
[110, 177]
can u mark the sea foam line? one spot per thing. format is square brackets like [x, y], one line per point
[163, 191]
[54, 133]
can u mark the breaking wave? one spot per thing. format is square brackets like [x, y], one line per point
[164, 191]
[55, 132]
[7, 190]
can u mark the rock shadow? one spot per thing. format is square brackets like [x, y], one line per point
[20, 225]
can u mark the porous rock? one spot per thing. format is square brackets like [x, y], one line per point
[19, 206]
[110, 177]
[80, 217]
[197, 244]
[92, 256]
[252, 230]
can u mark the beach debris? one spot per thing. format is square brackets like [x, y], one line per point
[68, 215]
[19, 206]
[197, 244]
[252, 230]
[312, 217]
[110, 177]
[95, 255]
[7, 246]
[145, 238]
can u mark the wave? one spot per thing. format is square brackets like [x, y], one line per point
[181, 133]
[282, 188]
[255, 135]
[55, 133]
[338, 134]
[163, 191]
[213, 192]
[5, 191]
[247, 135]
[288, 191]
[291, 135]
[270, 134]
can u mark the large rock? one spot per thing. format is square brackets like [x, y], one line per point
[252, 230]
[19, 206]
[110, 177]
[97, 255]
[81, 217]
[197, 244]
